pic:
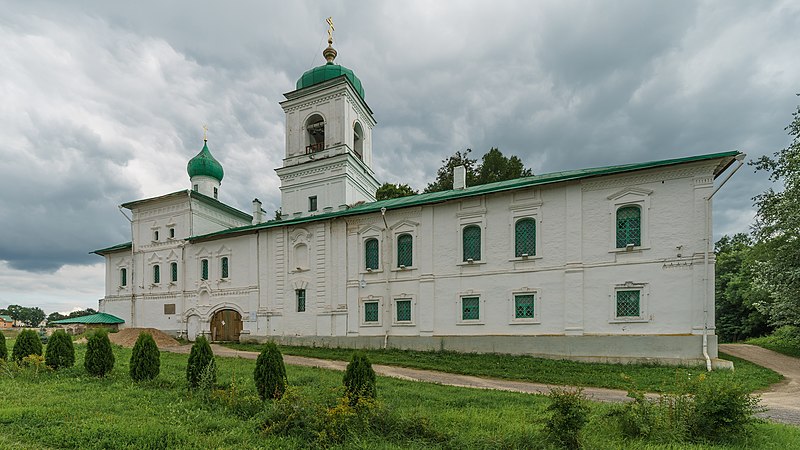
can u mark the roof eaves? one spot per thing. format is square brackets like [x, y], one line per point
[113, 248]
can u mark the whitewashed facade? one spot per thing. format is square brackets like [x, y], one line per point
[344, 270]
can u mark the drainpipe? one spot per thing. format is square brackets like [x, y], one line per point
[133, 278]
[709, 239]
[386, 270]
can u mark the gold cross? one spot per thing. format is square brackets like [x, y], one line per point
[330, 29]
[205, 132]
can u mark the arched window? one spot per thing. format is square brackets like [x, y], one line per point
[123, 277]
[471, 243]
[629, 226]
[315, 133]
[525, 238]
[203, 269]
[156, 274]
[358, 140]
[405, 249]
[371, 254]
[173, 268]
[224, 267]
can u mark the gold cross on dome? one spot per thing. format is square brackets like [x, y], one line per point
[330, 29]
[205, 132]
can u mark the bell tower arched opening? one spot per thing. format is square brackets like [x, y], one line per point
[315, 133]
[358, 140]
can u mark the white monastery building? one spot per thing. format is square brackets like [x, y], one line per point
[602, 264]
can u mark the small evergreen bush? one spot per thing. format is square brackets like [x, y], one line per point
[723, 411]
[28, 343]
[145, 361]
[3, 348]
[200, 358]
[99, 359]
[270, 373]
[60, 351]
[570, 412]
[359, 379]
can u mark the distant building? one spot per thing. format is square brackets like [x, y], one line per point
[6, 321]
[603, 264]
[99, 320]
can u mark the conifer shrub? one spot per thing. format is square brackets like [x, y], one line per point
[200, 360]
[270, 373]
[569, 413]
[28, 343]
[145, 361]
[359, 379]
[99, 359]
[3, 348]
[60, 351]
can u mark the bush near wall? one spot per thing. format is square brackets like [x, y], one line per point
[145, 363]
[28, 343]
[99, 359]
[270, 373]
[200, 363]
[60, 351]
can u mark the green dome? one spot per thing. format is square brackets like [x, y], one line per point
[205, 164]
[327, 72]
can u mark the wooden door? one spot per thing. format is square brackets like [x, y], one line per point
[226, 325]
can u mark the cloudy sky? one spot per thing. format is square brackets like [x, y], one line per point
[103, 102]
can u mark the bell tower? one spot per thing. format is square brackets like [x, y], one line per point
[328, 160]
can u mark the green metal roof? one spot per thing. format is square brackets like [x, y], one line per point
[726, 158]
[327, 72]
[113, 248]
[6, 318]
[205, 164]
[99, 318]
[196, 195]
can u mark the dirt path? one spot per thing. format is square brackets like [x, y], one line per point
[782, 399]
[781, 412]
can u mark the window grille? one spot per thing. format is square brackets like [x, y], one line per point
[523, 306]
[301, 300]
[405, 244]
[123, 277]
[403, 310]
[471, 236]
[525, 238]
[156, 274]
[470, 308]
[371, 254]
[204, 269]
[371, 312]
[629, 226]
[174, 271]
[224, 264]
[628, 303]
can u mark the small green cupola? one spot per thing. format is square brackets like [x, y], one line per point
[204, 164]
[329, 70]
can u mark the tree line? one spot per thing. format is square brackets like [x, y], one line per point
[33, 316]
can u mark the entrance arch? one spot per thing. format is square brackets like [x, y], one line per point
[226, 325]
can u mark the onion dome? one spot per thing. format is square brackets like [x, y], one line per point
[204, 164]
[329, 71]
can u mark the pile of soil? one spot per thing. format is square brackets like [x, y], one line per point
[127, 337]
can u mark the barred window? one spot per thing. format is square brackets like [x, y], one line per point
[523, 306]
[403, 310]
[629, 226]
[173, 269]
[471, 236]
[628, 303]
[156, 274]
[525, 238]
[301, 300]
[470, 308]
[371, 254]
[370, 311]
[405, 246]
[204, 269]
[224, 266]
[123, 277]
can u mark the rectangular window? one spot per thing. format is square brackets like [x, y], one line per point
[156, 274]
[173, 269]
[471, 243]
[370, 312]
[172, 233]
[216, 191]
[312, 203]
[371, 254]
[301, 300]
[405, 250]
[525, 238]
[523, 306]
[204, 269]
[155, 235]
[470, 308]
[169, 309]
[195, 187]
[403, 310]
[224, 267]
[123, 277]
[628, 303]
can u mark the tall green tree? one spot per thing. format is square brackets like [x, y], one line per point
[737, 296]
[444, 176]
[53, 316]
[389, 190]
[494, 166]
[30, 316]
[777, 230]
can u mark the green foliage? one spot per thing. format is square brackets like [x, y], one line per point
[722, 411]
[145, 363]
[60, 351]
[270, 373]
[201, 364]
[737, 296]
[389, 191]
[777, 230]
[444, 176]
[31, 316]
[53, 316]
[569, 411]
[494, 166]
[784, 340]
[359, 379]
[99, 359]
[660, 420]
[3, 348]
[28, 343]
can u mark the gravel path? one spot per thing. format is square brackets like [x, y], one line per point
[780, 399]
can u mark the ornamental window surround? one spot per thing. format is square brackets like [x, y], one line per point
[403, 311]
[470, 308]
[629, 220]
[629, 303]
[370, 311]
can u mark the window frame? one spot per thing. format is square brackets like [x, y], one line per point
[156, 273]
[630, 197]
[537, 306]
[460, 308]
[300, 294]
[396, 317]
[362, 311]
[397, 250]
[515, 224]
[173, 271]
[401, 228]
[463, 257]
[644, 295]
[205, 269]
[123, 277]
[366, 242]
[224, 267]
[313, 203]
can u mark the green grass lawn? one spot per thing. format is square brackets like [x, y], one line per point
[784, 340]
[651, 378]
[69, 409]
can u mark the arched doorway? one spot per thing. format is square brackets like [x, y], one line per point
[226, 325]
